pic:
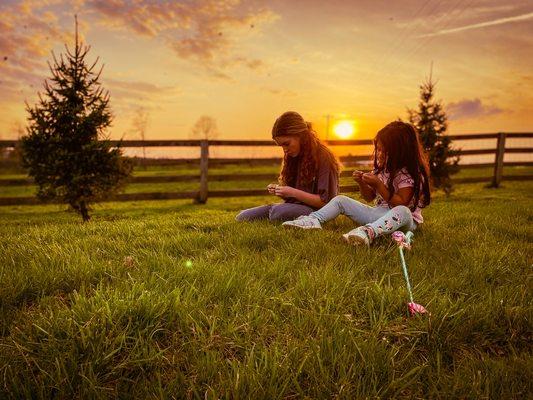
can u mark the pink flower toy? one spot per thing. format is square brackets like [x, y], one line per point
[404, 242]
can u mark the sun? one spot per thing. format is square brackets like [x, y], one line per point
[344, 129]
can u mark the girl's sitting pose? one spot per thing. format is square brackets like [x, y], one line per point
[399, 183]
[309, 175]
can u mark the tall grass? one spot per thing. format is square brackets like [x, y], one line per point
[171, 300]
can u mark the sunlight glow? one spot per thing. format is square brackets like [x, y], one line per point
[344, 129]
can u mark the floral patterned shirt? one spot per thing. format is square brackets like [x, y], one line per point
[401, 180]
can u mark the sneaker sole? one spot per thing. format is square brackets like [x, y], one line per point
[299, 227]
[354, 240]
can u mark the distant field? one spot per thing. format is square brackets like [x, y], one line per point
[206, 307]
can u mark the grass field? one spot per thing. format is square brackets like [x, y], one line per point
[8, 191]
[166, 299]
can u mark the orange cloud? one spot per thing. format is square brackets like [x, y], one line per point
[136, 90]
[29, 31]
[282, 92]
[471, 109]
[203, 31]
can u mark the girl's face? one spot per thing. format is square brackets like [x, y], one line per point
[380, 154]
[289, 144]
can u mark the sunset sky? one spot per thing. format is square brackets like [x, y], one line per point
[245, 62]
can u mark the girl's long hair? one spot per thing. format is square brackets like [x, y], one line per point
[302, 170]
[402, 149]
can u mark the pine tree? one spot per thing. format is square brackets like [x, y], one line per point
[431, 121]
[66, 150]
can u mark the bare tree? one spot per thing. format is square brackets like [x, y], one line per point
[205, 128]
[139, 126]
[19, 129]
[13, 155]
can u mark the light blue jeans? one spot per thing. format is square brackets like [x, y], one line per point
[382, 220]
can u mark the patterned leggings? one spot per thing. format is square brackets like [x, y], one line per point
[381, 220]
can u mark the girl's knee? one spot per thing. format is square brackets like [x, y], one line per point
[402, 209]
[341, 201]
[403, 213]
[341, 198]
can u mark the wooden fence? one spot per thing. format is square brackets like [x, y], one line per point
[203, 193]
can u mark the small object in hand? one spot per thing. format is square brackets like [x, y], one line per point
[415, 308]
[370, 179]
[358, 176]
[272, 187]
[280, 190]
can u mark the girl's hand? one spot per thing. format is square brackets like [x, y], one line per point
[284, 191]
[272, 188]
[357, 176]
[370, 179]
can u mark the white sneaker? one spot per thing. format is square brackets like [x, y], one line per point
[304, 222]
[357, 237]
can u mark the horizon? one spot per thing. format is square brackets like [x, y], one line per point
[245, 63]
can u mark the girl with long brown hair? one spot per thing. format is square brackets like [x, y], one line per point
[309, 175]
[399, 183]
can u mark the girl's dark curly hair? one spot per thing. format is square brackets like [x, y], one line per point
[402, 149]
[311, 149]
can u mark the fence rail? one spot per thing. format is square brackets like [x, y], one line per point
[204, 162]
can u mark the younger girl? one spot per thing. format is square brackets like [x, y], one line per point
[309, 175]
[399, 183]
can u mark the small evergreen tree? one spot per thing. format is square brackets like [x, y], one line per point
[62, 150]
[431, 122]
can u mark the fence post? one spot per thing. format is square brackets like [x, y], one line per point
[204, 166]
[498, 161]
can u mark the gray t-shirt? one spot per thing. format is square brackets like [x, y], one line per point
[325, 182]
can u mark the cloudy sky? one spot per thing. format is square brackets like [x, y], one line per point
[245, 62]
